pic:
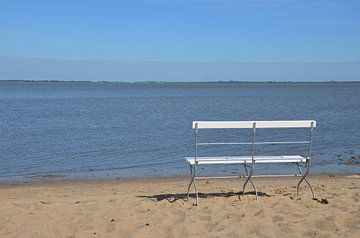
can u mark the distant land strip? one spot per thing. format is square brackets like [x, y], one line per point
[166, 82]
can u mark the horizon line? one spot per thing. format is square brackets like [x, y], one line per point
[169, 61]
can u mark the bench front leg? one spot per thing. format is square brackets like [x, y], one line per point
[303, 178]
[192, 182]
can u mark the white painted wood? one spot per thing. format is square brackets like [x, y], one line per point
[247, 159]
[250, 124]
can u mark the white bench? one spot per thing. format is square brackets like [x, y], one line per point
[302, 161]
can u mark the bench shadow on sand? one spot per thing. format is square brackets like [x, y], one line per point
[173, 197]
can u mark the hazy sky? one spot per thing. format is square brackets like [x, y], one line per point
[186, 40]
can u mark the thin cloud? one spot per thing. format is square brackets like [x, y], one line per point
[296, 11]
[221, 2]
[11, 32]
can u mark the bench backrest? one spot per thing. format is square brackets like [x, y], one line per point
[250, 124]
[311, 124]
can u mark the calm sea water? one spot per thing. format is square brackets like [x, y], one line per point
[111, 130]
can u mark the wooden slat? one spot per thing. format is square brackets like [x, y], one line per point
[249, 124]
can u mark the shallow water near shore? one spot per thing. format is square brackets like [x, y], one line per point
[62, 130]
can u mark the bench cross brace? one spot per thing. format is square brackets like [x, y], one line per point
[249, 174]
[303, 178]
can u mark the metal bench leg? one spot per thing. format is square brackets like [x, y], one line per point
[192, 182]
[252, 165]
[303, 178]
[249, 179]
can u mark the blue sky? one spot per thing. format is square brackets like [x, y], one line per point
[282, 32]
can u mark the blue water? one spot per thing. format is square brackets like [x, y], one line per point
[110, 130]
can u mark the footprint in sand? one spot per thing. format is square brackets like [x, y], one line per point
[278, 218]
[311, 233]
[110, 227]
[205, 218]
[21, 205]
[327, 223]
[215, 227]
[356, 197]
[285, 230]
[259, 213]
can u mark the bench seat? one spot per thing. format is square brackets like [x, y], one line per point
[247, 159]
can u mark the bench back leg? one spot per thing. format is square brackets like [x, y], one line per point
[303, 178]
[249, 174]
[193, 169]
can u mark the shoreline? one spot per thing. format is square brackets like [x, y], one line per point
[56, 180]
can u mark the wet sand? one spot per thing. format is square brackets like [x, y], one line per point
[158, 208]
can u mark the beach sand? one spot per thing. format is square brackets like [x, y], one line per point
[158, 208]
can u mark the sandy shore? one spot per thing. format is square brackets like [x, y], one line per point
[158, 208]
